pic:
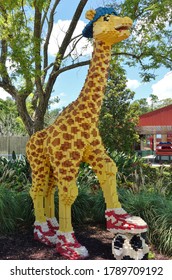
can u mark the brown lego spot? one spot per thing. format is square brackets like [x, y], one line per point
[91, 105]
[41, 169]
[78, 119]
[97, 151]
[62, 171]
[38, 142]
[63, 127]
[98, 88]
[74, 130]
[87, 115]
[91, 84]
[56, 133]
[79, 144]
[68, 178]
[59, 155]
[96, 96]
[75, 155]
[107, 160]
[85, 98]
[99, 159]
[65, 146]
[91, 157]
[86, 126]
[99, 103]
[67, 136]
[67, 163]
[85, 135]
[75, 112]
[51, 128]
[93, 164]
[82, 107]
[94, 120]
[41, 176]
[72, 170]
[100, 165]
[59, 121]
[57, 163]
[39, 150]
[65, 189]
[70, 121]
[95, 142]
[56, 142]
[37, 161]
[94, 132]
[32, 147]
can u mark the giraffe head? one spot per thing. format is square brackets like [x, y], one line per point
[105, 25]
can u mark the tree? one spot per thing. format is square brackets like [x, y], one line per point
[142, 106]
[154, 100]
[25, 66]
[150, 42]
[118, 118]
[10, 122]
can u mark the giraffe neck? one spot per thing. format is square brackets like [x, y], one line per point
[92, 92]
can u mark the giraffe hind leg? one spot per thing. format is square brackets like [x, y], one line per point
[42, 231]
[50, 204]
[67, 244]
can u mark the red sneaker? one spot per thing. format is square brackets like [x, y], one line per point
[43, 234]
[68, 246]
[118, 221]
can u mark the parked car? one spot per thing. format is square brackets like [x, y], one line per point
[164, 149]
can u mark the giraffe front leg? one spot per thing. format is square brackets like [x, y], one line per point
[118, 220]
[67, 244]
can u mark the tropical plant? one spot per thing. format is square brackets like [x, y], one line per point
[15, 172]
[118, 118]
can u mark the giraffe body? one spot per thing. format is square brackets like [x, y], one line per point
[56, 152]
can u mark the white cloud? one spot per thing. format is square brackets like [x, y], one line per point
[133, 84]
[57, 36]
[163, 88]
[3, 94]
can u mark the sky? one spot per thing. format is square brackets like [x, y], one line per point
[69, 84]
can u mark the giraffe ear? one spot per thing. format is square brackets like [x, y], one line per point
[90, 14]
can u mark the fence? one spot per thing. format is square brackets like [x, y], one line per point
[8, 144]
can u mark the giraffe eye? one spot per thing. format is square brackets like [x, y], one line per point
[106, 18]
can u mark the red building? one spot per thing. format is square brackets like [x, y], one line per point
[156, 126]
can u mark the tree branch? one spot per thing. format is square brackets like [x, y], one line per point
[37, 48]
[64, 46]
[50, 28]
[70, 67]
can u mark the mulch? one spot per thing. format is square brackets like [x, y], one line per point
[22, 246]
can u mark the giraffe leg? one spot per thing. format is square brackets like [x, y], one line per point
[118, 220]
[67, 244]
[50, 204]
[42, 232]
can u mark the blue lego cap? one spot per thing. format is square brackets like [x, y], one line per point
[101, 11]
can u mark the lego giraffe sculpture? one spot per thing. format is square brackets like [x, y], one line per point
[56, 152]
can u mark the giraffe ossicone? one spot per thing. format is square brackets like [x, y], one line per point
[55, 153]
